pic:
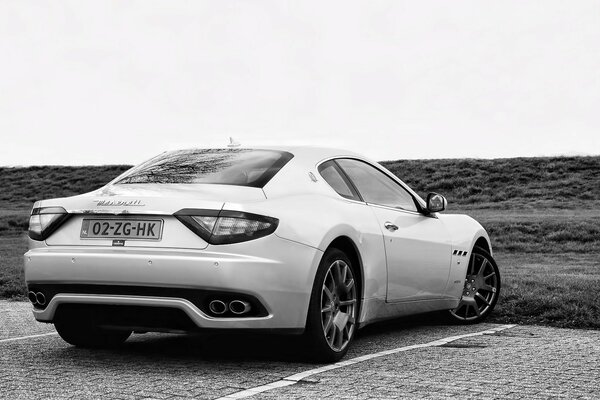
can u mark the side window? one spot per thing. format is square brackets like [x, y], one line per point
[376, 187]
[330, 172]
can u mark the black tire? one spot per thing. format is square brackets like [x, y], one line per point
[333, 308]
[481, 291]
[84, 333]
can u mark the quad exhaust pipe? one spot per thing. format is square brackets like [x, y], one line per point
[37, 298]
[217, 307]
[41, 299]
[237, 307]
[32, 297]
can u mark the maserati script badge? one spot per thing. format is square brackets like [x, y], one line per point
[119, 203]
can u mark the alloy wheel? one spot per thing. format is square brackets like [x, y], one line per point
[338, 305]
[480, 293]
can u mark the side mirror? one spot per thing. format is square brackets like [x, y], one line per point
[436, 202]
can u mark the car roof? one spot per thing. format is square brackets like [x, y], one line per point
[304, 154]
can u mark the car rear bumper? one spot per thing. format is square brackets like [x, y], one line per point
[277, 273]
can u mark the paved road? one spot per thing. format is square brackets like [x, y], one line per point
[519, 362]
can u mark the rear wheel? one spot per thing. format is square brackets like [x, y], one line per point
[481, 290]
[84, 333]
[333, 309]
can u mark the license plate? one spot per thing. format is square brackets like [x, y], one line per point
[98, 228]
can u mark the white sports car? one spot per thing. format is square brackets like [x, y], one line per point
[296, 239]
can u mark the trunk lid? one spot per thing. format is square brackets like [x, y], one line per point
[140, 205]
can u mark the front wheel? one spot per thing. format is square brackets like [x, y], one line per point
[333, 308]
[481, 290]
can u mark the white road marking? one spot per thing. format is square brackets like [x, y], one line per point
[27, 337]
[293, 379]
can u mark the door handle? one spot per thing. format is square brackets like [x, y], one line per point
[390, 227]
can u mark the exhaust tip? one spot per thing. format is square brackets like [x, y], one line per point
[239, 307]
[217, 307]
[32, 297]
[41, 299]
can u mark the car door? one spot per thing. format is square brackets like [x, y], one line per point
[418, 248]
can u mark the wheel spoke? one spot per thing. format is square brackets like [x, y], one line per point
[456, 311]
[471, 268]
[328, 293]
[327, 325]
[482, 268]
[487, 288]
[347, 302]
[339, 338]
[331, 280]
[327, 309]
[337, 274]
[348, 286]
[331, 337]
[485, 278]
[483, 299]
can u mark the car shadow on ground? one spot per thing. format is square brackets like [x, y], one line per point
[250, 347]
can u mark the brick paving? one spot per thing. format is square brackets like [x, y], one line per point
[522, 362]
[16, 319]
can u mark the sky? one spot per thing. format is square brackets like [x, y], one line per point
[117, 82]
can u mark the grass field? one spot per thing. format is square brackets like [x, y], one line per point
[542, 214]
[549, 289]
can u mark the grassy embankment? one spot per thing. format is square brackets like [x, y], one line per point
[19, 189]
[543, 215]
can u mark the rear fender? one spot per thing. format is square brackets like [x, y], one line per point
[317, 221]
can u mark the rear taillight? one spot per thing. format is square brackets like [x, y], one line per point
[226, 227]
[45, 220]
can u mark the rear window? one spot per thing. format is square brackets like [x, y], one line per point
[241, 167]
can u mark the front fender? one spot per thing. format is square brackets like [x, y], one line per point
[464, 232]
